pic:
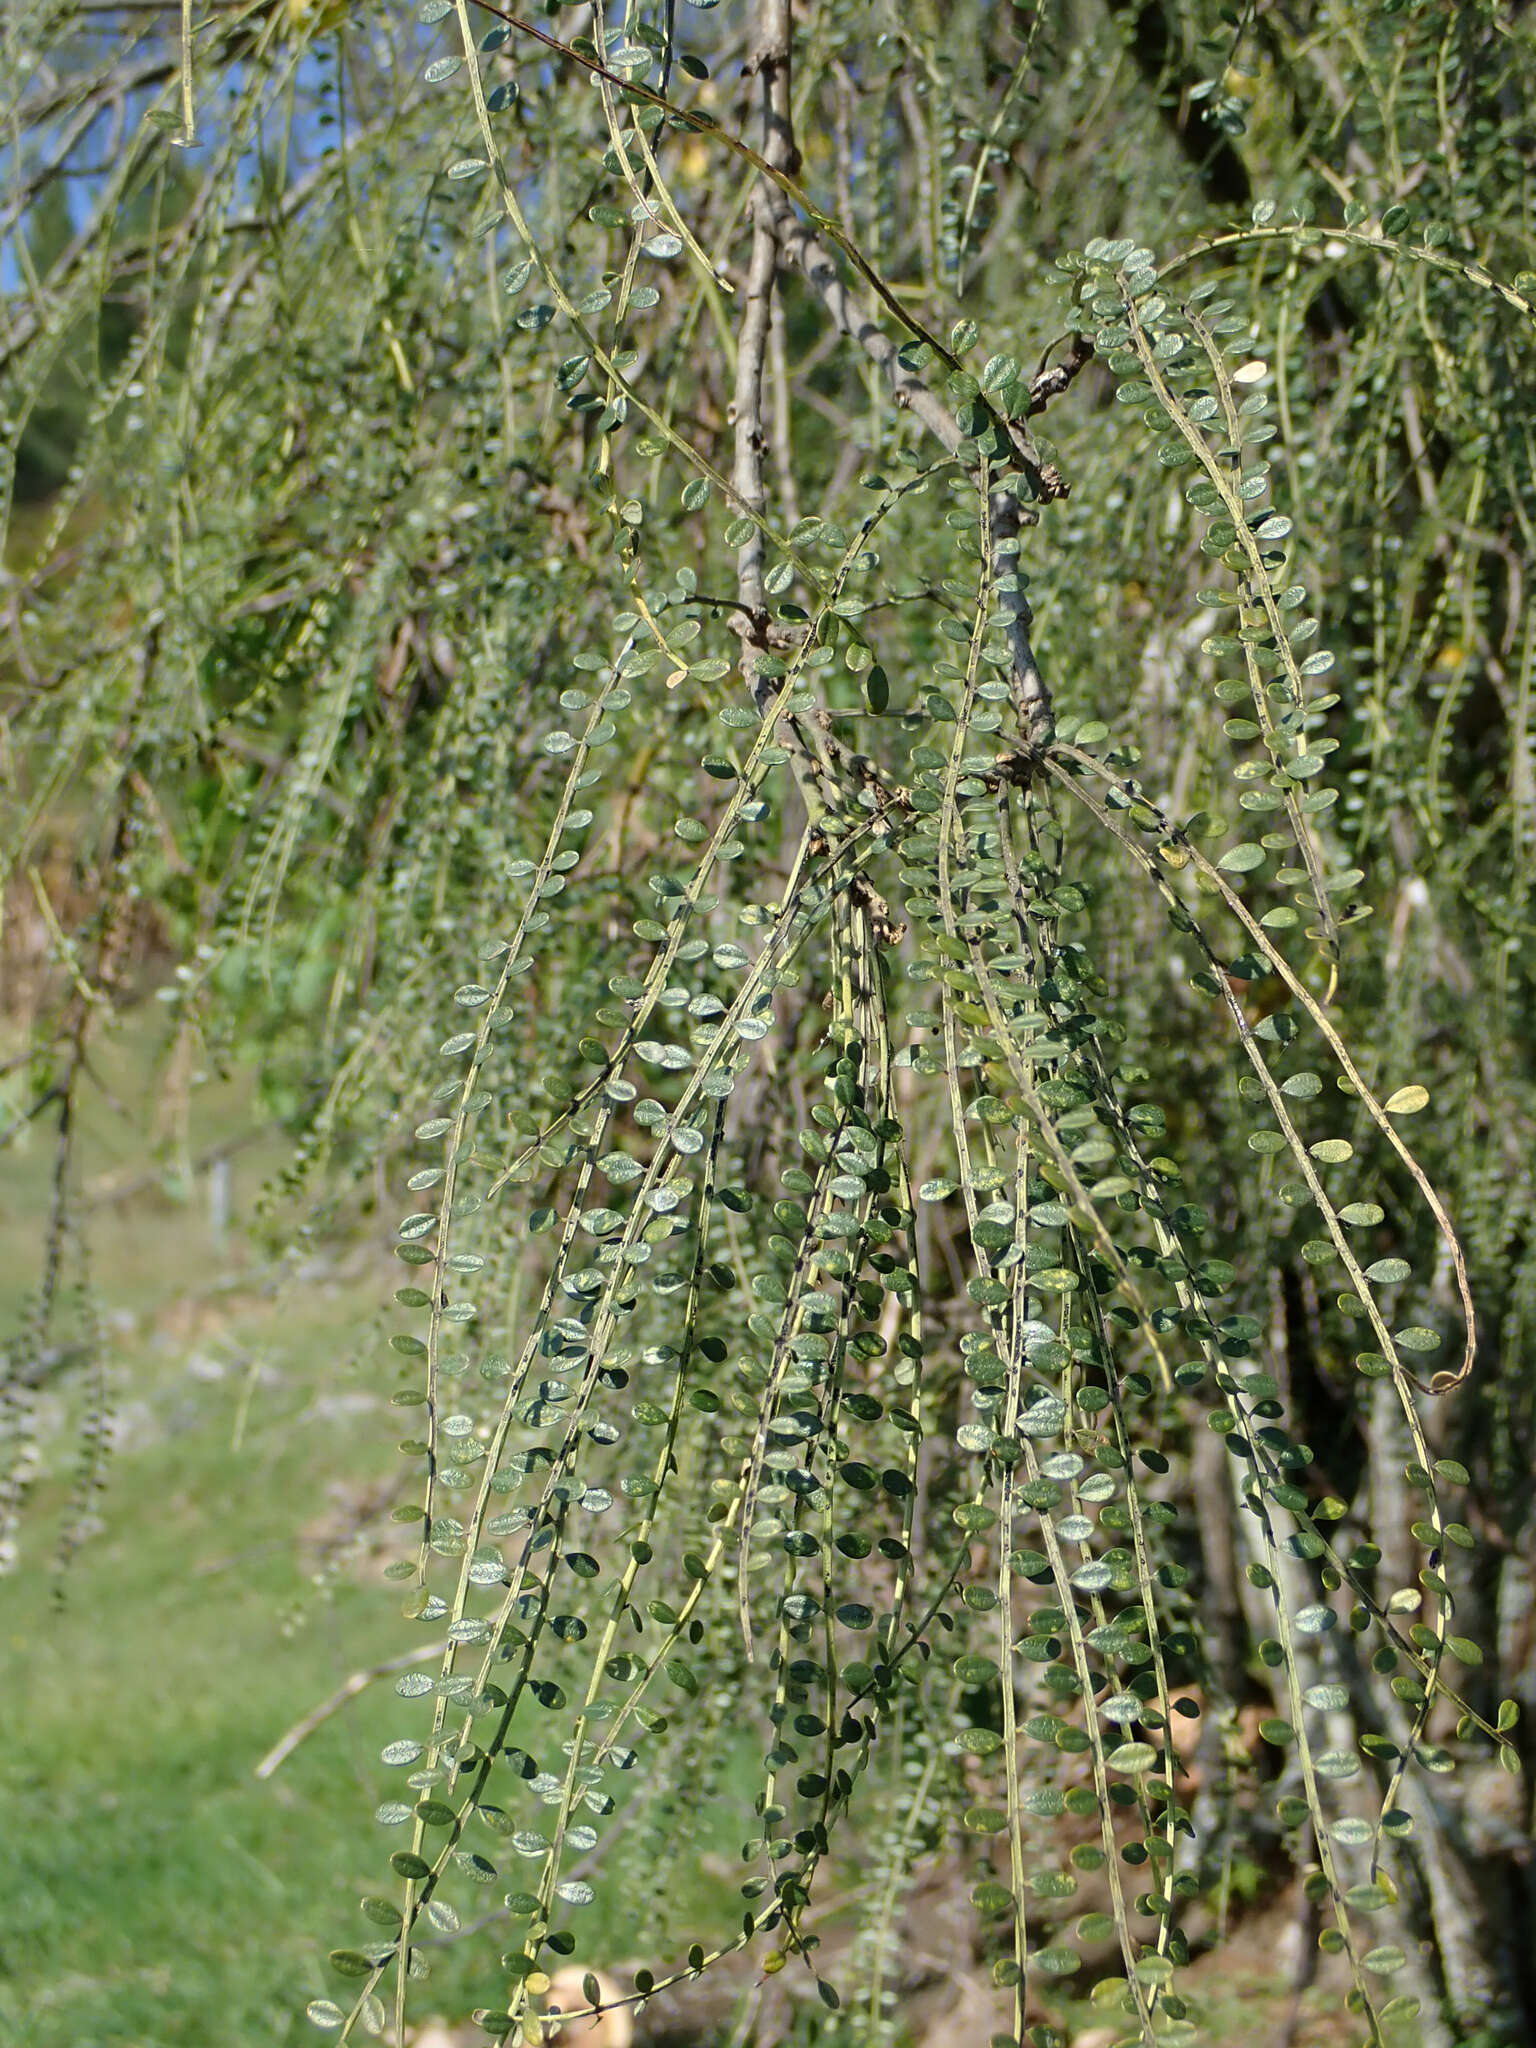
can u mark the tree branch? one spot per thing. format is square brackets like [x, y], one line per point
[1031, 697]
[769, 61]
[800, 246]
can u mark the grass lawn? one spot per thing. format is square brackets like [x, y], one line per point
[156, 1893]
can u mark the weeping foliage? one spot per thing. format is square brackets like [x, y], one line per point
[947, 1009]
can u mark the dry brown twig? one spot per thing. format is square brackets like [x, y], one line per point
[284, 1747]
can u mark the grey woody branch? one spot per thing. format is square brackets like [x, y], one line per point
[1031, 697]
[802, 248]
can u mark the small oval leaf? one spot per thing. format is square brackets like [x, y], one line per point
[1407, 1101]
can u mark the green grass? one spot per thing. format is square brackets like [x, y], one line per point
[157, 1892]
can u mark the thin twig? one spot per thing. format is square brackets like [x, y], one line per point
[107, 1190]
[280, 1751]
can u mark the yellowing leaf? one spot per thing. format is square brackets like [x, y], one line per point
[1407, 1101]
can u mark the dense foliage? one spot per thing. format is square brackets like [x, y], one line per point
[949, 1007]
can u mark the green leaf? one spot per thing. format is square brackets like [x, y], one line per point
[1242, 860]
[1135, 1759]
[1417, 1338]
[1332, 1151]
